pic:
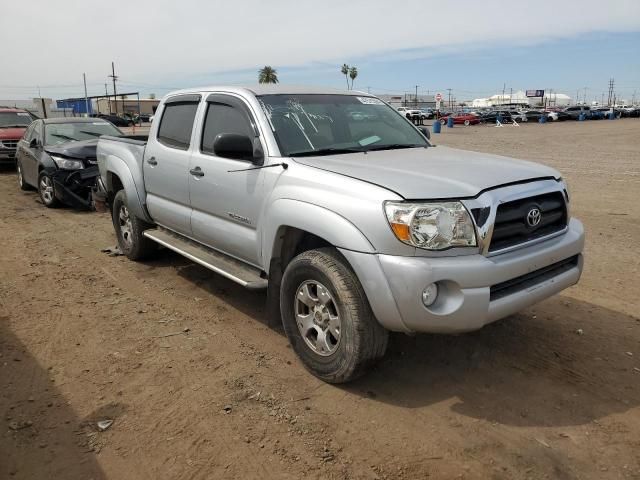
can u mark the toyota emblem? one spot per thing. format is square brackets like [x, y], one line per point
[534, 216]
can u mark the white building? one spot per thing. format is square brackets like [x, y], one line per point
[520, 98]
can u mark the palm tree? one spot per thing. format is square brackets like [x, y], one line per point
[345, 72]
[267, 75]
[353, 73]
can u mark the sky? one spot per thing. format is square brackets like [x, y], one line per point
[475, 48]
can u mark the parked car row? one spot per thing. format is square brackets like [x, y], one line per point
[533, 115]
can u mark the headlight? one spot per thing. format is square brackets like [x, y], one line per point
[432, 226]
[66, 164]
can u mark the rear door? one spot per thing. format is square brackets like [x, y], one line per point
[226, 204]
[166, 164]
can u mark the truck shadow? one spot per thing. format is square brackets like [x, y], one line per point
[562, 362]
[42, 437]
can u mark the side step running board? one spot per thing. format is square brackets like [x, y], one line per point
[246, 275]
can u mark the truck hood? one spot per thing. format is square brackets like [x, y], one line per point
[13, 133]
[82, 150]
[435, 172]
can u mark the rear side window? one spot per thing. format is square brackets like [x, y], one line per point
[176, 125]
[222, 118]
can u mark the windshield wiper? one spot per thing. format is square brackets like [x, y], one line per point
[95, 134]
[326, 151]
[14, 126]
[394, 146]
[62, 136]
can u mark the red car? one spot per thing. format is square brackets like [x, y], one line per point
[13, 123]
[462, 119]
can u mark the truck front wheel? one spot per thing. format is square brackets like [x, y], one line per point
[327, 317]
[129, 230]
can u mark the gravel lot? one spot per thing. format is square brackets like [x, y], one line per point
[553, 392]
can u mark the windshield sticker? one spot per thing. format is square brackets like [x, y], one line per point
[22, 114]
[369, 140]
[370, 101]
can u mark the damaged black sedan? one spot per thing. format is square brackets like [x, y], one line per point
[57, 156]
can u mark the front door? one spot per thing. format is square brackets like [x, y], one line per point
[166, 164]
[226, 205]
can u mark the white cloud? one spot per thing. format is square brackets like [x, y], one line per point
[51, 42]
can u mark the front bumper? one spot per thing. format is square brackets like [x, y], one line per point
[73, 187]
[394, 284]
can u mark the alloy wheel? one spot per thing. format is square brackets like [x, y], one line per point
[317, 317]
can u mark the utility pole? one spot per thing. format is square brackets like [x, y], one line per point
[449, 90]
[602, 99]
[585, 95]
[417, 96]
[611, 96]
[86, 99]
[504, 87]
[106, 92]
[114, 78]
[510, 95]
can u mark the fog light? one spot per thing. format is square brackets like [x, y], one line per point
[429, 294]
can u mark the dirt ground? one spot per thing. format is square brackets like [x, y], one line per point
[553, 392]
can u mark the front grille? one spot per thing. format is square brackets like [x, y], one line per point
[517, 284]
[511, 226]
[12, 144]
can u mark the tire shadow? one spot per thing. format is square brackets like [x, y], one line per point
[42, 437]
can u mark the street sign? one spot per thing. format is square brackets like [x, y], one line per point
[437, 104]
[535, 93]
[438, 97]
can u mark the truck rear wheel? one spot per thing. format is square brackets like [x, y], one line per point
[129, 230]
[327, 317]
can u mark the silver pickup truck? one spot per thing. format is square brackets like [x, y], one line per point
[354, 223]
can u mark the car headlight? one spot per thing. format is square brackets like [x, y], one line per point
[432, 226]
[66, 164]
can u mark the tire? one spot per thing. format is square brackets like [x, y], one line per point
[46, 190]
[443, 121]
[23, 185]
[129, 229]
[319, 285]
[467, 123]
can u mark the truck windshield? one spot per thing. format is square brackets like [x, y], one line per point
[307, 125]
[15, 119]
[67, 132]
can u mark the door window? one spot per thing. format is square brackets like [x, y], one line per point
[176, 125]
[223, 118]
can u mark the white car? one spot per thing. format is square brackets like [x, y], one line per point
[410, 113]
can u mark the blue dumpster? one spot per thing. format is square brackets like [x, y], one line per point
[450, 122]
[542, 119]
[612, 116]
[436, 126]
[581, 117]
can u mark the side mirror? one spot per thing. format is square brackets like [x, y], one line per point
[232, 145]
[34, 143]
[425, 131]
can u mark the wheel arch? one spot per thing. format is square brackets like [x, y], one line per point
[119, 177]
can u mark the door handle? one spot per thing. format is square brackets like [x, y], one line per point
[152, 161]
[196, 172]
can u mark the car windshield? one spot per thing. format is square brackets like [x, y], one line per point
[308, 125]
[66, 132]
[15, 119]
